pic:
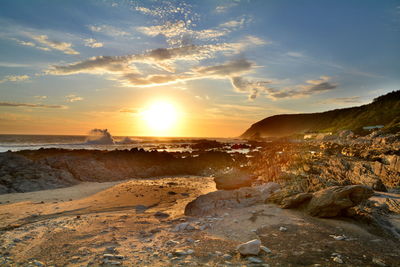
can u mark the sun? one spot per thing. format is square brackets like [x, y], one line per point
[161, 117]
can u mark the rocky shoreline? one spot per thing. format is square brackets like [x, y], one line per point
[329, 202]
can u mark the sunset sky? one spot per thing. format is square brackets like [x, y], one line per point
[217, 66]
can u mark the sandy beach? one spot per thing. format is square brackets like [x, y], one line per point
[142, 223]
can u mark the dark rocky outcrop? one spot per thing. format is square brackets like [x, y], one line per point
[34, 170]
[19, 174]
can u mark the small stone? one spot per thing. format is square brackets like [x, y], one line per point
[378, 262]
[189, 251]
[265, 249]
[218, 253]
[179, 252]
[251, 247]
[227, 256]
[180, 227]
[254, 260]
[235, 221]
[338, 260]
[160, 214]
[338, 237]
[38, 263]
[172, 243]
[282, 229]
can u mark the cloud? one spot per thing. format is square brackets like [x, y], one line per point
[93, 43]
[65, 47]
[14, 78]
[12, 65]
[129, 110]
[342, 100]
[40, 97]
[178, 32]
[312, 87]
[253, 88]
[295, 54]
[108, 30]
[94, 65]
[30, 105]
[163, 58]
[73, 98]
[226, 69]
[226, 7]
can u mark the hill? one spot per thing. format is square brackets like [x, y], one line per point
[384, 110]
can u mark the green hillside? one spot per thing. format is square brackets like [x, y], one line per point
[384, 110]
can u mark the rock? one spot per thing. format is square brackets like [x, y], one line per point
[251, 247]
[331, 201]
[38, 263]
[160, 214]
[227, 256]
[337, 259]
[181, 252]
[296, 200]
[233, 180]
[265, 249]
[180, 227]
[378, 262]
[282, 229]
[217, 200]
[338, 237]
[254, 260]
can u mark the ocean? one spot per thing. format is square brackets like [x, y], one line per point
[102, 141]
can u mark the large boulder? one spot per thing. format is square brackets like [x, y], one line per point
[233, 180]
[331, 201]
[217, 200]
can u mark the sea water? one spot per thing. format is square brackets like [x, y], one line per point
[169, 144]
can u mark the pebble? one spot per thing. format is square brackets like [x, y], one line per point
[338, 237]
[282, 229]
[378, 262]
[337, 259]
[227, 256]
[251, 247]
[254, 260]
[265, 249]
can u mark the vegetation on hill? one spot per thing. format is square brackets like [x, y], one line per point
[384, 110]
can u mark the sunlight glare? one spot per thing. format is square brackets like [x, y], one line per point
[161, 117]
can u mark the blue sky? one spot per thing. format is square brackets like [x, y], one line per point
[69, 66]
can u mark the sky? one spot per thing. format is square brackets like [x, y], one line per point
[70, 66]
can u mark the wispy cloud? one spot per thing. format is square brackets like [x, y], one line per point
[178, 32]
[108, 30]
[30, 105]
[40, 97]
[13, 65]
[73, 98]
[93, 43]
[225, 7]
[65, 47]
[342, 100]
[14, 78]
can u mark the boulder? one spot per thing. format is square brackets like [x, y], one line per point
[331, 201]
[251, 247]
[217, 200]
[296, 200]
[233, 180]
